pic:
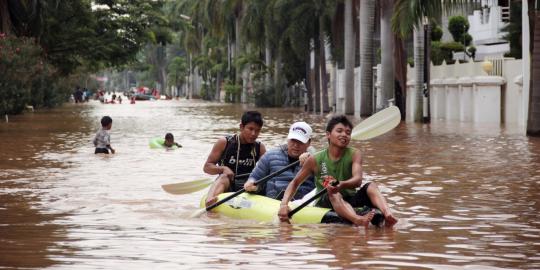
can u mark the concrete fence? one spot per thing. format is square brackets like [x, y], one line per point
[464, 92]
[461, 92]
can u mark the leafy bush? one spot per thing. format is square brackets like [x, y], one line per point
[436, 33]
[27, 78]
[467, 39]
[471, 51]
[443, 51]
[232, 91]
[458, 26]
[20, 62]
[436, 54]
[452, 46]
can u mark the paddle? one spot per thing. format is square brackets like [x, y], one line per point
[260, 181]
[375, 125]
[187, 187]
[304, 204]
[192, 186]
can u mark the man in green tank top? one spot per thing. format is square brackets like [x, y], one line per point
[341, 163]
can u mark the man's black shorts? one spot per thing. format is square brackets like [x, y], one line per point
[359, 199]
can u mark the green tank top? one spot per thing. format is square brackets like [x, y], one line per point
[340, 169]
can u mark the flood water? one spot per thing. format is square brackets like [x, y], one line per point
[467, 197]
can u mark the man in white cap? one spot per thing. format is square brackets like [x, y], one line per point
[298, 141]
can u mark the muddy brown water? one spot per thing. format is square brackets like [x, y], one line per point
[467, 196]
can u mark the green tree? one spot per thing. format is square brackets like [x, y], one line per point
[20, 62]
[178, 70]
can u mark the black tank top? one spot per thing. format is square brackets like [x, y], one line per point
[240, 160]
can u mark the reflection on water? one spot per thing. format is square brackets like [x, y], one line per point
[466, 196]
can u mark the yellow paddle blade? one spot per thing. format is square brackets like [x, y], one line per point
[377, 124]
[187, 187]
[198, 213]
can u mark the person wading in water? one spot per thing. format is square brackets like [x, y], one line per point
[234, 155]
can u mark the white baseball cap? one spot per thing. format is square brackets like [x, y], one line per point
[300, 131]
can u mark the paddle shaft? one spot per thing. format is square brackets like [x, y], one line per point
[304, 204]
[260, 181]
[240, 176]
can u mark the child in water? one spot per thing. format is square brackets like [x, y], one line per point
[102, 140]
[169, 141]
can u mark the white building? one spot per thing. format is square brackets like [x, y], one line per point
[486, 27]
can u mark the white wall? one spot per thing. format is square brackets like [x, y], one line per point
[512, 98]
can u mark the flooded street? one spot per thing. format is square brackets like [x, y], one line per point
[467, 197]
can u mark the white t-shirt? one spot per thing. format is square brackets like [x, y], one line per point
[102, 139]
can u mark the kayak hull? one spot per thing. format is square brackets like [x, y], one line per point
[260, 208]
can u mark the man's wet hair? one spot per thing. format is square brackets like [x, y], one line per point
[337, 120]
[169, 136]
[105, 121]
[252, 116]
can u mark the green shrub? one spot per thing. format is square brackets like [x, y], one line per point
[452, 46]
[20, 62]
[436, 54]
[232, 91]
[443, 51]
[458, 26]
[27, 78]
[436, 33]
[471, 51]
[467, 39]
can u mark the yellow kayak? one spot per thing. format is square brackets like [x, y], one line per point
[264, 209]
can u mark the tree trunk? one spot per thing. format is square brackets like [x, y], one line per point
[277, 81]
[162, 67]
[400, 56]
[349, 56]
[218, 86]
[238, 74]
[5, 23]
[309, 84]
[367, 28]
[387, 55]
[316, 70]
[322, 62]
[191, 78]
[419, 72]
[267, 62]
[533, 123]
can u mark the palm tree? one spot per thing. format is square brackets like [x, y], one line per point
[409, 16]
[304, 34]
[387, 54]
[349, 56]
[367, 27]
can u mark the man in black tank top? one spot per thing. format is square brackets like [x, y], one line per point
[234, 155]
